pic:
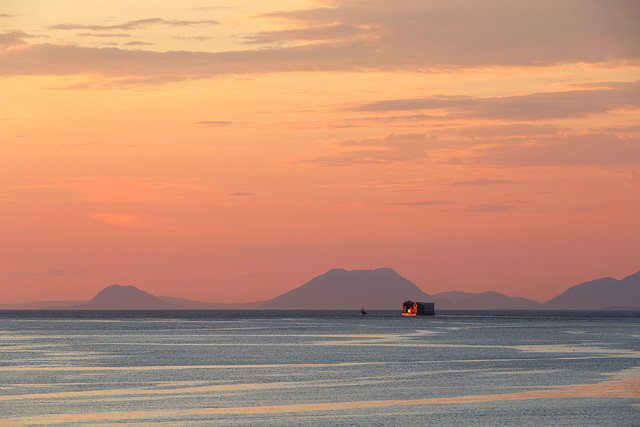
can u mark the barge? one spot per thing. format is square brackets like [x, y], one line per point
[410, 308]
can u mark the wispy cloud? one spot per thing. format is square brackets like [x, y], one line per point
[507, 130]
[123, 220]
[120, 83]
[132, 25]
[138, 43]
[541, 148]
[105, 35]
[421, 203]
[407, 120]
[481, 182]
[487, 208]
[390, 148]
[364, 157]
[390, 140]
[568, 150]
[314, 33]
[535, 106]
[214, 123]
[197, 38]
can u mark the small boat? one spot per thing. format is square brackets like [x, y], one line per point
[363, 311]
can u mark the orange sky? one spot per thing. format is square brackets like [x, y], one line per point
[230, 152]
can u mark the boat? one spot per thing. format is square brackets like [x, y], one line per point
[410, 308]
[363, 311]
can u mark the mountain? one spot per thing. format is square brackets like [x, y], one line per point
[487, 301]
[454, 297]
[599, 294]
[382, 288]
[338, 289]
[116, 297]
[199, 305]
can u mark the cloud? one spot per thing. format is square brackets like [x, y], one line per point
[481, 182]
[619, 129]
[510, 130]
[487, 208]
[152, 224]
[563, 150]
[13, 38]
[61, 60]
[407, 120]
[315, 33]
[376, 35]
[528, 146]
[138, 43]
[391, 140]
[469, 33]
[132, 25]
[534, 106]
[422, 203]
[105, 35]
[390, 148]
[364, 157]
[241, 194]
[197, 38]
[398, 121]
[122, 83]
[214, 123]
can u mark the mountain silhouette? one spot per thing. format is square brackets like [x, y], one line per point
[200, 305]
[116, 297]
[487, 301]
[338, 289]
[599, 294]
[382, 289]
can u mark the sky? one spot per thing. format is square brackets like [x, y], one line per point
[232, 151]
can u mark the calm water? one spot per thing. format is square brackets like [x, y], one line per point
[319, 368]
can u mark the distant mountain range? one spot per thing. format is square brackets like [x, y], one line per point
[382, 289]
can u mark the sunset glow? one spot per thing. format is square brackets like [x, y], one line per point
[232, 151]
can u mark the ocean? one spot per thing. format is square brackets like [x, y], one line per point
[319, 368]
